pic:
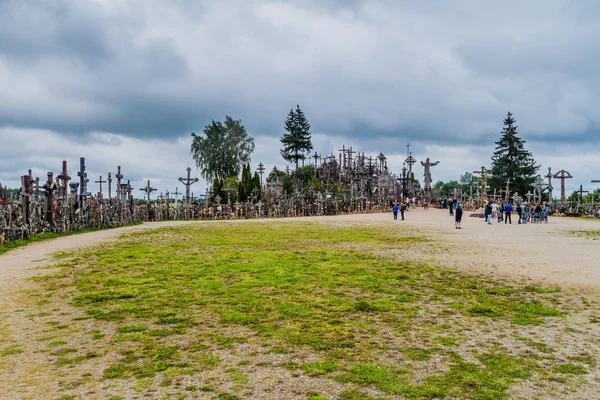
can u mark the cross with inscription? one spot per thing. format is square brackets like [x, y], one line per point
[562, 175]
[188, 182]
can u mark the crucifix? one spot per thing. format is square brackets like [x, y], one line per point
[65, 178]
[261, 171]
[188, 182]
[483, 172]
[100, 181]
[109, 180]
[562, 175]
[428, 164]
[581, 192]
[148, 190]
[119, 176]
[549, 176]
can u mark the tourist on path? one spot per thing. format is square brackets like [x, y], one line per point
[520, 212]
[545, 213]
[426, 204]
[500, 212]
[395, 211]
[507, 212]
[451, 206]
[458, 217]
[402, 209]
[488, 213]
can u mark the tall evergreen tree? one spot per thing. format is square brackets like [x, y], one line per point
[512, 160]
[297, 141]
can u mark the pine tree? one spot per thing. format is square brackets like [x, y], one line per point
[512, 160]
[296, 142]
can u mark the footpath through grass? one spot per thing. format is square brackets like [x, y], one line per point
[220, 309]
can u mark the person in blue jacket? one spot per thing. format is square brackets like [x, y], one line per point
[395, 210]
[508, 208]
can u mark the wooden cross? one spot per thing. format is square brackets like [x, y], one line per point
[550, 188]
[261, 171]
[188, 182]
[176, 194]
[148, 190]
[100, 181]
[343, 150]
[483, 172]
[65, 178]
[350, 152]
[581, 192]
[562, 175]
[119, 176]
[316, 157]
[109, 180]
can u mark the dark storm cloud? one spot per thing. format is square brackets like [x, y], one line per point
[373, 73]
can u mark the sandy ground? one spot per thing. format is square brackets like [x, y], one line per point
[544, 253]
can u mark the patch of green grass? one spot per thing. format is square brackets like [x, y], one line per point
[584, 359]
[11, 350]
[292, 288]
[571, 369]
[593, 234]
[40, 237]
[417, 354]
[57, 343]
[320, 367]
[315, 396]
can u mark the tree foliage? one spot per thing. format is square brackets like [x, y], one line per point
[445, 189]
[297, 141]
[512, 160]
[222, 149]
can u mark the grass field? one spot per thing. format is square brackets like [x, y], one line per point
[303, 310]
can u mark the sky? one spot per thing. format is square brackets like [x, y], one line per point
[125, 82]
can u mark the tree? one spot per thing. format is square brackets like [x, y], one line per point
[512, 161]
[296, 142]
[222, 149]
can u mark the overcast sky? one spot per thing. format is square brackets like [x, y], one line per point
[125, 82]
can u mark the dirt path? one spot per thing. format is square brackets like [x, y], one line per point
[544, 253]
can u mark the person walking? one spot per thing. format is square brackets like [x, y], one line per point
[395, 211]
[520, 212]
[451, 206]
[458, 217]
[402, 209]
[426, 204]
[545, 213]
[488, 213]
[500, 212]
[507, 212]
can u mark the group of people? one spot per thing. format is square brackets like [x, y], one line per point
[528, 213]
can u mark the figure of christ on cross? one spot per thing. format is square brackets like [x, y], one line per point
[427, 164]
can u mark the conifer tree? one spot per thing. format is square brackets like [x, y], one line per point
[297, 141]
[512, 160]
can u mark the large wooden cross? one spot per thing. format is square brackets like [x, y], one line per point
[483, 172]
[562, 175]
[65, 178]
[100, 181]
[188, 182]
